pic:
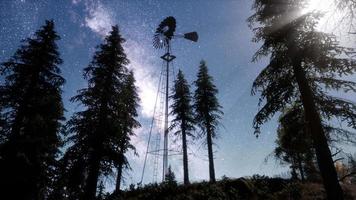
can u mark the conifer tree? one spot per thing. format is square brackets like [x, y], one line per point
[294, 144]
[303, 63]
[207, 110]
[71, 173]
[101, 192]
[32, 110]
[170, 177]
[97, 131]
[128, 112]
[183, 116]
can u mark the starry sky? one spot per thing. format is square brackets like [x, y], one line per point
[224, 42]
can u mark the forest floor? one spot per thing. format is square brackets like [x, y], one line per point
[256, 187]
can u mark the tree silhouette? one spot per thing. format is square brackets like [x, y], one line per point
[101, 192]
[303, 62]
[32, 110]
[98, 132]
[294, 143]
[208, 111]
[183, 116]
[128, 112]
[170, 178]
[71, 173]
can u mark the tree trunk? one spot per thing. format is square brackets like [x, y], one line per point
[210, 154]
[185, 157]
[92, 180]
[118, 178]
[323, 154]
[301, 170]
[121, 162]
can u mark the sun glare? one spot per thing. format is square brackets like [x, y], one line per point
[324, 6]
[331, 16]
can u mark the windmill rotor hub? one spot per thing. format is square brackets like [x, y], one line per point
[164, 32]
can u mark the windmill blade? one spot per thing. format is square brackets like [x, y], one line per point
[158, 41]
[164, 32]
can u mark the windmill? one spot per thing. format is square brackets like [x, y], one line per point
[164, 33]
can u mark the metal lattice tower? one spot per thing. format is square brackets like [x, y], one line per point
[168, 58]
[160, 123]
[162, 38]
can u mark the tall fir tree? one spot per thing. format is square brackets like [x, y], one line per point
[128, 113]
[98, 131]
[303, 63]
[182, 110]
[32, 109]
[207, 111]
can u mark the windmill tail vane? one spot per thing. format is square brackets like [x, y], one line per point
[192, 36]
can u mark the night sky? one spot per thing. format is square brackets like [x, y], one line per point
[224, 42]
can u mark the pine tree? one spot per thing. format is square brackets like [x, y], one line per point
[207, 111]
[98, 131]
[128, 112]
[170, 177]
[183, 116]
[32, 109]
[71, 174]
[101, 192]
[303, 63]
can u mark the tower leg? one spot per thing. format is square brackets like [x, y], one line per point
[165, 147]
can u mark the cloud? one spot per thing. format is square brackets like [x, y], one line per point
[146, 74]
[99, 19]
[75, 1]
[141, 62]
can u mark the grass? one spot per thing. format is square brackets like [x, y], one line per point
[255, 187]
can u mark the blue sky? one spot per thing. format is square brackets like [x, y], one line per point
[224, 42]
